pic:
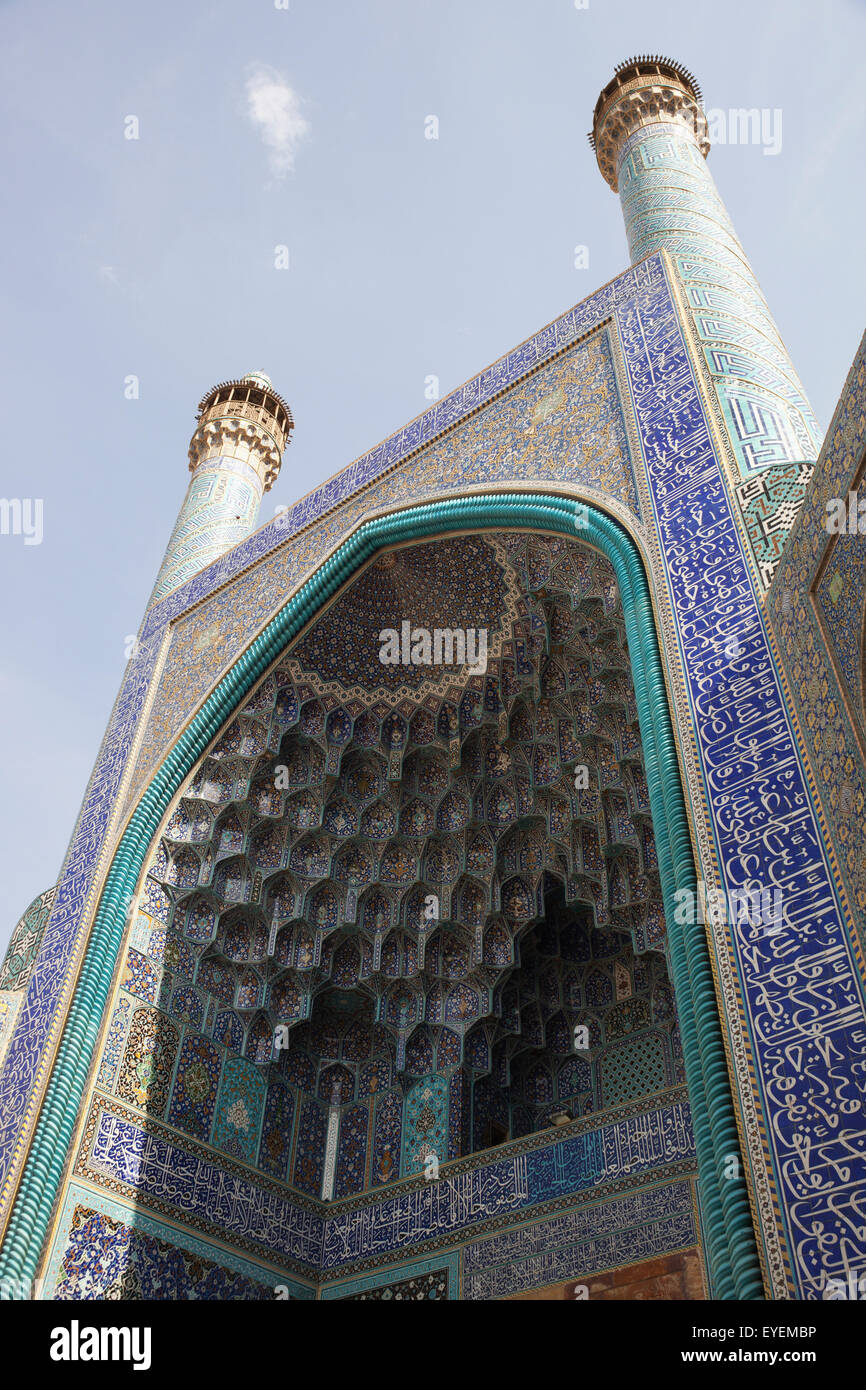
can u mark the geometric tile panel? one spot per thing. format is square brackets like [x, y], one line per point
[426, 1124]
[277, 1130]
[148, 1058]
[352, 1151]
[636, 1068]
[195, 1088]
[239, 1109]
[310, 1148]
[108, 1260]
[10, 1003]
[106, 1250]
[816, 608]
[769, 502]
[25, 941]
[841, 598]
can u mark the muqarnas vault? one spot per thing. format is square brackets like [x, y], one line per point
[417, 979]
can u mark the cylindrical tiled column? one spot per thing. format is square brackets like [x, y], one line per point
[651, 140]
[234, 457]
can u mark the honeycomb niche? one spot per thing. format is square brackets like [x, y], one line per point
[404, 912]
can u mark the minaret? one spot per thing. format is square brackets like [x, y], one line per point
[651, 139]
[234, 457]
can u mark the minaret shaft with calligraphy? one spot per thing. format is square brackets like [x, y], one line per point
[651, 139]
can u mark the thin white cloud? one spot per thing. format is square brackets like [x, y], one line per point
[275, 110]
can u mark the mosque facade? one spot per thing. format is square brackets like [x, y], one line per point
[468, 900]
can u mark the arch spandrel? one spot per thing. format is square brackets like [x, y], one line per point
[564, 423]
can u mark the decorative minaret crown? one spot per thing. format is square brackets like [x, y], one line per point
[643, 92]
[244, 419]
[234, 458]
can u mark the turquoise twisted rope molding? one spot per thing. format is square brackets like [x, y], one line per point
[732, 1256]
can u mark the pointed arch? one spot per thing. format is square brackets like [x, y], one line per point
[730, 1242]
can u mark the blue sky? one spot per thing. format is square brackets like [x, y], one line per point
[409, 257]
